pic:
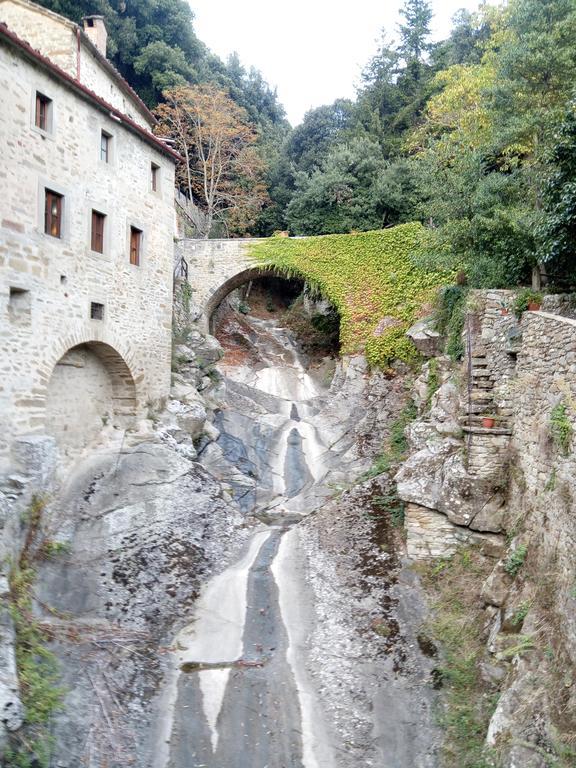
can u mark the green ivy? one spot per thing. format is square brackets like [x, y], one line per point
[449, 318]
[561, 428]
[372, 278]
[38, 671]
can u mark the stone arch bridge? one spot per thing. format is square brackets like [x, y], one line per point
[215, 268]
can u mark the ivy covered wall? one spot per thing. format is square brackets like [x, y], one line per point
[372, 278]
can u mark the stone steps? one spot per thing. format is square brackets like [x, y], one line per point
[489, 431]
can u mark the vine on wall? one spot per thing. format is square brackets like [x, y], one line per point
[372, 278]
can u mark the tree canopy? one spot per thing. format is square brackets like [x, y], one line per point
[471, 136]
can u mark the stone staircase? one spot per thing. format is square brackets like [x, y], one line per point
[480, 401]
[487, 447]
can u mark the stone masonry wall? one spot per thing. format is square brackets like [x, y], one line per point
[55, 37]
[543, 491]
[47, 284]
[215, 267]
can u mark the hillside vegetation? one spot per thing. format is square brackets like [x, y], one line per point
[472, 136]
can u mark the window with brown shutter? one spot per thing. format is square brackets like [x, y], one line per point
[135, 245]
[97, 240]
[53, 213]
[42, 116]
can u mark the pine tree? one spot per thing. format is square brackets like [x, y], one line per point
[415, 32]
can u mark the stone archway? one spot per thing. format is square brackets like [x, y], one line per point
[229, 285]
[91, 387]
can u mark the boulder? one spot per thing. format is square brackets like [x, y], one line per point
[445, 409]
[495, 588]
[208, 350]
[425, 338]
[189, 417]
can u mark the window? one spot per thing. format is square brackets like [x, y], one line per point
[43, 114]
[105, 147]
[53, 213]
[135, 245]
[96, 311]
[155, 177]
[97, 238]
[19, 305]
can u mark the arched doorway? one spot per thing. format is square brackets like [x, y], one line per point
[91, 388]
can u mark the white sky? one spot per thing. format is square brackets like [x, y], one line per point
[312, 50]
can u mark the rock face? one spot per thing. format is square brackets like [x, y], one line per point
[144, 530]
[470, 488]
[425, 338]
[437, 478]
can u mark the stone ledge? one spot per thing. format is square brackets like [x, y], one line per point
[487, 431]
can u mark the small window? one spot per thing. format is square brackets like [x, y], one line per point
[105, 147]
[97, 238]
[43, 116]
[155, 177]
[19, 305]
[135, 245]
[96, 311]
[53, 213]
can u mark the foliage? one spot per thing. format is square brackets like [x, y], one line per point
[457, 624]
[37, 667]
[222, 171]
[449, 318]
[524, 298]
[398, 439]
[371, 278]
[520, 613]
[515, 560]
[557, 232]
[561, 428]
[397, 444]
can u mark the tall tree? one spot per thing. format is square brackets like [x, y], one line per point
[415, 32]
[222, 168]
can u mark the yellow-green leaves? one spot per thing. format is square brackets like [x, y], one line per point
[372, 278]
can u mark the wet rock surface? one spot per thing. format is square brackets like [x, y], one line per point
[227, 596]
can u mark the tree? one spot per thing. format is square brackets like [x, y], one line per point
[221, 169]
[354, 189]
[557, 232]
[414, 33]
[320, 130]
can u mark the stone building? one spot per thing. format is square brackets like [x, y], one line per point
[86, 239]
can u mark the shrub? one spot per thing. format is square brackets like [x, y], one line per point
[515, 560]
[523, 298]
[561, 428]
[449, 318]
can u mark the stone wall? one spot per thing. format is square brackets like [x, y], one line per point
[56, 38]
[48, 284]
[543, 489]
[215, 268]
[510, 491]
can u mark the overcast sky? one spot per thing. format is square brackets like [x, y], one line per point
[312, 50]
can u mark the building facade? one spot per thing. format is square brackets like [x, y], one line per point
[86, 238]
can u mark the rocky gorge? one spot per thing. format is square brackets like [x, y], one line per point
[302, 562]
